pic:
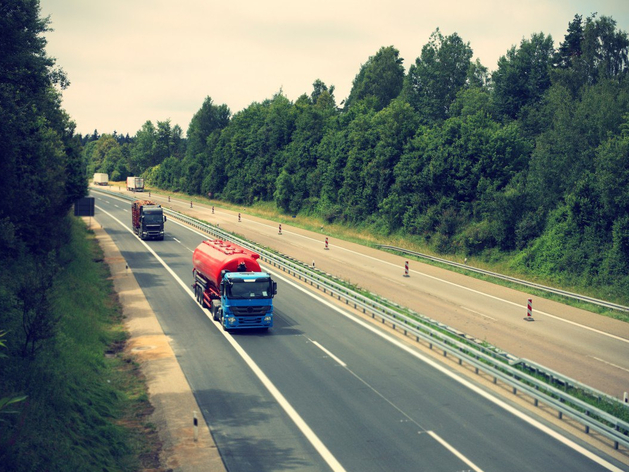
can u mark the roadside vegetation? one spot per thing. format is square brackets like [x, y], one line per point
[64, 403]
[524, 167]
[84, 405]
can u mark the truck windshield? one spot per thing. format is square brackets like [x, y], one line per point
[153, 218]
[250, 289]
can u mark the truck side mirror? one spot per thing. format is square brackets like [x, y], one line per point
[274, 288]
[164, 218]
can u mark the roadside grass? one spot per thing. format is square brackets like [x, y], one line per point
[87, 405]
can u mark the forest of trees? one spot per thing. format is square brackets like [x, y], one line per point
[42, 173]
[531, 158]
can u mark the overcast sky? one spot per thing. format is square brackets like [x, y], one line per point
[130, 61]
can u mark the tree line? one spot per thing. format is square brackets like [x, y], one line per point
[530, 158]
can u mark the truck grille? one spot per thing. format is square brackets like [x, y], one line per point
[249, 310]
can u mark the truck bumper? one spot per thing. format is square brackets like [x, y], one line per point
[247, 322]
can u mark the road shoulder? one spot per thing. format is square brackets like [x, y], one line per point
[169, 391]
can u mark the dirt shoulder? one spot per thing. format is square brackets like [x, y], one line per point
[169, 391]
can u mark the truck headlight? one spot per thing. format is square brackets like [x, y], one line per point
[231, 320]
[267, 319]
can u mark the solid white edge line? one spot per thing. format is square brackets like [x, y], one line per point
[536, 424]
[416, 354]
[555, 317]
[281, 400]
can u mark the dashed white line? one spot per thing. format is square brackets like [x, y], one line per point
[609, 363]
[558, 318]
[441, 441]
[338, 361]
[434, 435]
[281, 400]
[478, 313]
[472, 386]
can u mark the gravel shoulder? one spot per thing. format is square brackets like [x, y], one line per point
[169, 391]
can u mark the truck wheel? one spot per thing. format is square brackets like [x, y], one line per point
[214, 308]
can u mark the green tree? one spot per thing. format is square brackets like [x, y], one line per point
[143, 149]
[381, 77]
[591, 51]
[442, 69]
[523, 75]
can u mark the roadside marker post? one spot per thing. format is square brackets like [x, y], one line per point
[195, 423]
[529, 311]
[280, 230]
[326, 244]
[406, 269]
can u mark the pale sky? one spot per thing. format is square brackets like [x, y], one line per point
[130, 61]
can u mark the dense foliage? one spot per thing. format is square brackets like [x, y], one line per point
[56, 410]
[530, 159]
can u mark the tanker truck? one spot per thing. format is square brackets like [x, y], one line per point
[147, 219]
[229, 282]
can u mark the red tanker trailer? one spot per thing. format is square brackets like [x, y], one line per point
[228, 280]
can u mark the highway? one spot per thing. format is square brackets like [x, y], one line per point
[590, 348]
[323, 389]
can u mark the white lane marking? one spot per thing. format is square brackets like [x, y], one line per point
[609, 363]
[478, 313]
[116, 206]
[338, 361]
[603, 333]
[177, 240]
[464, 288]
[434, 364]
[536, 424]
[281, 400]
[440, 440]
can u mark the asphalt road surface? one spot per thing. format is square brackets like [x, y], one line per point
[590, 348]
[323, 390]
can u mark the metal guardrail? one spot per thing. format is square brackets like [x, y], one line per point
[483, 358]
[556, 291]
